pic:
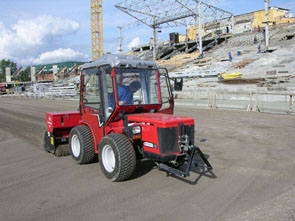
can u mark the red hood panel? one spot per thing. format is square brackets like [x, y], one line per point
[162, 119]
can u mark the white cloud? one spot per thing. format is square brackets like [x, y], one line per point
[39, 30]
[28, 40]
[135, 42]
[59, 55]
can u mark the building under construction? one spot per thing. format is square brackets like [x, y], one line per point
[243, 23]
[55, 71]
[215, 32]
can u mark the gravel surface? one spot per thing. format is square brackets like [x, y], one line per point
[253, 155]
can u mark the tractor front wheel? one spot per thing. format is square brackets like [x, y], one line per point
[117, 157]
[82, 145]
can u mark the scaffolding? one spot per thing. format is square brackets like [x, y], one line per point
[158, 14]
[96, 28]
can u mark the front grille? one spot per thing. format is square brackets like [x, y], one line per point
[190, 131]
[187, 130]
[168, 140]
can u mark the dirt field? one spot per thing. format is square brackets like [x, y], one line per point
[253, 156]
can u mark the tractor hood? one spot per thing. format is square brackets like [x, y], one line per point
[162, 120]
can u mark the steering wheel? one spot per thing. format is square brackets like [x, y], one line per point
[137, 101]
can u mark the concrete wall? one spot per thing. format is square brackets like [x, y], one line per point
[182, 38]
[192, 32]
[243, 27]
[8, 74]
[276, 15]
[33, 72]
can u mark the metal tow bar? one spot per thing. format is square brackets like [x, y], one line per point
[194, 150]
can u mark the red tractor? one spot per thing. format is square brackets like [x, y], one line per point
[125, 114]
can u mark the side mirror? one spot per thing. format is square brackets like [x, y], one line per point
[178, 84]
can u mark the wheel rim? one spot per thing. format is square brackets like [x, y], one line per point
[75, 145]
[108, 158]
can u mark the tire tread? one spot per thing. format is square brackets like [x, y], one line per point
[87, 144]
[126, 155]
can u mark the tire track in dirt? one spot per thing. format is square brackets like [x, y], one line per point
[24, 127]
[25, 118]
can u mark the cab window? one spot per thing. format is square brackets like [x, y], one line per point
[91, 90]
[136, 86]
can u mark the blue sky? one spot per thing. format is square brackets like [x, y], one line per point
[45, 31]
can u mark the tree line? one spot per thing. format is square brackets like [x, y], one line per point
[24, 76]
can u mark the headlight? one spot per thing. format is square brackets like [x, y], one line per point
[136, 130]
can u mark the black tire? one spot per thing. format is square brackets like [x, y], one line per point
[82, 145]
[123, 155]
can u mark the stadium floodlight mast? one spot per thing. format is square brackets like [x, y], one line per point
[159, 14]
[120, 39]
[123, 27]
[266, 23]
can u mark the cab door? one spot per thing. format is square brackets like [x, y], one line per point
[91, 103]
[166, 92]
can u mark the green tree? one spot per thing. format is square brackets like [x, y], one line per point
[25, 75]
[6, 63]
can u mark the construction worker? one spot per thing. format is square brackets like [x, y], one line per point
[125, 94]
[230, 58]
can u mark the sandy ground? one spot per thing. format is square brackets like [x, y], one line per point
[253, 155]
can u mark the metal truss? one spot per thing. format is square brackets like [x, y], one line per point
[171, 13]
[158, 14]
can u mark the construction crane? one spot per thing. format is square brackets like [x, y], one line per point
[96, 28]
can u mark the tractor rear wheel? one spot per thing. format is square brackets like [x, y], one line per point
[82, 145]
[117, 157]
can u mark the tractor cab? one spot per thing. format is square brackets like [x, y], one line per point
[111, 89]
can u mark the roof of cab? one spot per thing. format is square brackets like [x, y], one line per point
[116, 60]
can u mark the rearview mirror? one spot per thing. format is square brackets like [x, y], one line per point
[178, 83]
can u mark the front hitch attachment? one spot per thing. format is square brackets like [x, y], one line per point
[192, 152]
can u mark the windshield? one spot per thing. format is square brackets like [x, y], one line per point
[136, 86]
